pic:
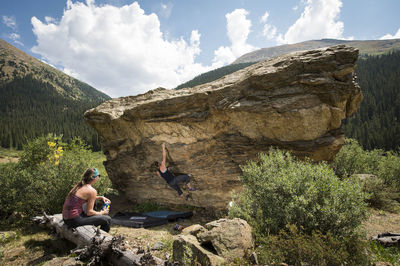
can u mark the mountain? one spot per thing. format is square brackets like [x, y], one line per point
[373, 47]
[37, 99]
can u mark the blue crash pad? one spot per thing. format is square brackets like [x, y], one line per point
[169, 215]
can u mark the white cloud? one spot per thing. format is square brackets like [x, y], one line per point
[318, 20]
[10, 22]
[265, 17]
[389, 36]
[16, 38]
[269, 31]
[165, 9]
[49, 19]
[119, 50]
[238, 29]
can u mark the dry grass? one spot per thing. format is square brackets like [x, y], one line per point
[381, 222]
[33, 248]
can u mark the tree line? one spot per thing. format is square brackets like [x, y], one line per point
[376, 124]
[30, 108]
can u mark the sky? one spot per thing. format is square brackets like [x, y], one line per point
[125, 47]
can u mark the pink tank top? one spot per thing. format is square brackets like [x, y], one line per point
[72, 207]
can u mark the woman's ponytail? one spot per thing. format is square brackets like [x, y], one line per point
[86, 178]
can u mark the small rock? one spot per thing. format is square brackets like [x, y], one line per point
[6, 236]
[14, 253]
[253, 258]
[158, 246]
[193, 230]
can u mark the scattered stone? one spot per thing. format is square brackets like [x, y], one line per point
[193, 229]
[253, 258]
[7, 236]
[14, 253]
[158, 246]
[387, 239]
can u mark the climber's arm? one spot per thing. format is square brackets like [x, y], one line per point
[164, 158]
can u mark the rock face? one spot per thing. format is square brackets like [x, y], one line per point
[230, 238]
[218, 243]
[296, 102]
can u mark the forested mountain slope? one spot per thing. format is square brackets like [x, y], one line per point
[377, 122]
[37, 99]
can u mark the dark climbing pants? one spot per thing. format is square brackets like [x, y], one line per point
[103, 220]
[179, 179]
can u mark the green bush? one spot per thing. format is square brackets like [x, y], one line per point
[294, 248]
[352, 159]
[46, 172]
[280, 190]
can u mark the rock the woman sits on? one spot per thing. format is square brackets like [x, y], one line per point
[81, 193]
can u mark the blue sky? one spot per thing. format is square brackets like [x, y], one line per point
[125, 47]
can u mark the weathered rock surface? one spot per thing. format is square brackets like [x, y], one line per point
[188, 251]
[230, 238]
[296, 101]
[218, 243]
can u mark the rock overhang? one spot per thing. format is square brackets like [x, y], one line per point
[296, 102]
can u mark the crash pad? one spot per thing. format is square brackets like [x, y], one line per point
[170, 215]
[137, 220]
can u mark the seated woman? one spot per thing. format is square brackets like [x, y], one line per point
[83, 192]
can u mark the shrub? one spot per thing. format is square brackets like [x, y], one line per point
[380, 196]
[352, 159]
[294, 248]
[46, 172]
[383, 190]
[280, 190]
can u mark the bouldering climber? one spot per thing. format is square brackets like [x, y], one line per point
[172, 180]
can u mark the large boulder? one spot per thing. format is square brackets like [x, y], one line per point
[219, 242]
[295, 102]
[187, 250]
[231, 238]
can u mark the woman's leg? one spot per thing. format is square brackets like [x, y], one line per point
[183, 179]
[103, 220]
[175, 186]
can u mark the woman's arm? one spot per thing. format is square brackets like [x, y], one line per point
[90, 206]
[104, 199]
[163, 166]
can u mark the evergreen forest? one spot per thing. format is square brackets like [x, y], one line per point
[213, 75]
[30, 107]
[376, 124]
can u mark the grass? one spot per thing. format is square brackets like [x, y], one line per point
[9, 155]
[32, 246]
[389, 254]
